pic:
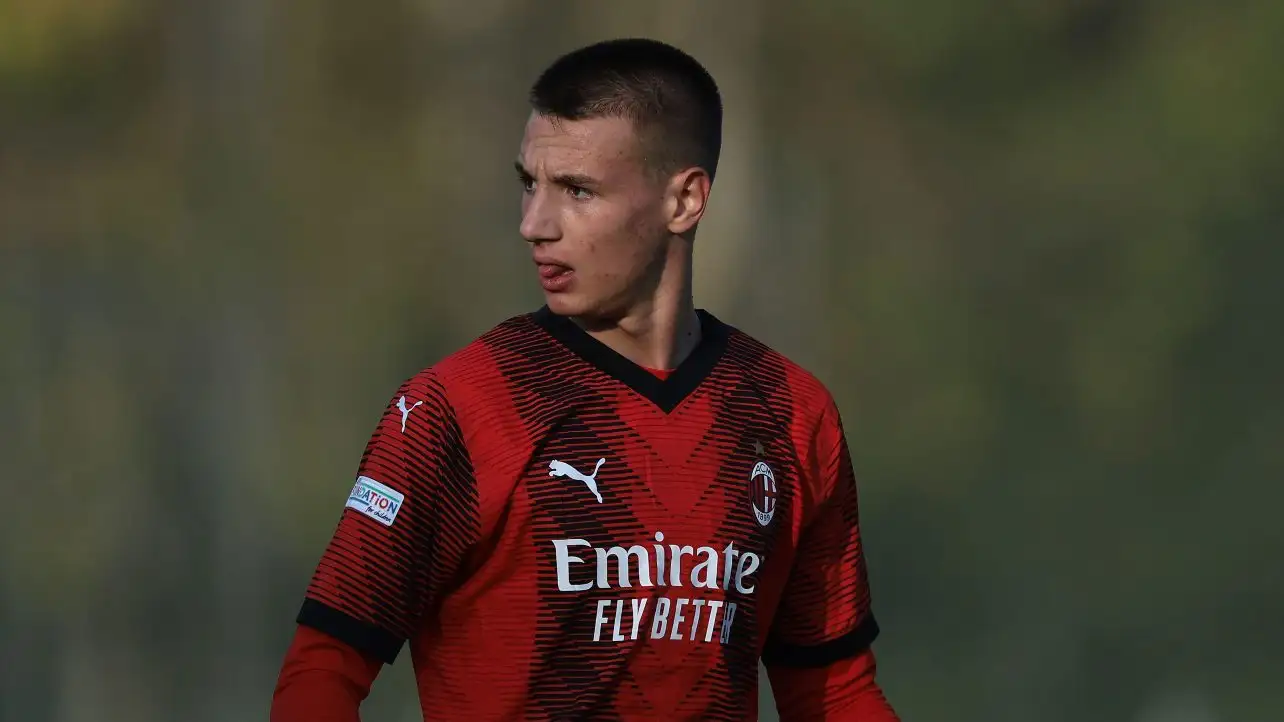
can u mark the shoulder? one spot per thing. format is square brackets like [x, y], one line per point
[815, 426]
[467, 364]
[808, 398]
[476, 370]
[479, 391]
[480, 398]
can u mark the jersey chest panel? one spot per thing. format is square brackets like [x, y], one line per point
[650, 528]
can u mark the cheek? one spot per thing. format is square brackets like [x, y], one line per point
[615, 246]
[603, 237]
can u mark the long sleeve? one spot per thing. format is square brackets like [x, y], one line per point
[322, 680]
[845, 691]
[818, 653]
[409, 520]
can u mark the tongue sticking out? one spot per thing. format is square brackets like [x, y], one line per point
[555, 278]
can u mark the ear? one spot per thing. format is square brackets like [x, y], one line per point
[686, 197]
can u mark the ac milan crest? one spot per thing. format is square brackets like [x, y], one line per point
[762, 492]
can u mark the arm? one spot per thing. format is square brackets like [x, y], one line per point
[407, 524]
[845, 690]
[818, 654]
[322, 679]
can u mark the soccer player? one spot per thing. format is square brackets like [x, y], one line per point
[615, 506]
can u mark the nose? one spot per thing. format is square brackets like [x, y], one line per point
[539, 218]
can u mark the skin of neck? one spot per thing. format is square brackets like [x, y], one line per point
[660, 328]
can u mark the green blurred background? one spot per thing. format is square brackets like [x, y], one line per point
[1033, 247]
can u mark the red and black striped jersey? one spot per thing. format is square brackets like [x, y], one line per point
[561, 535]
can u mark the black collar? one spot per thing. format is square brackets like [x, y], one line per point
[664, 393]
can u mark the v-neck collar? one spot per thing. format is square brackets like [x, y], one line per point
[664, 393]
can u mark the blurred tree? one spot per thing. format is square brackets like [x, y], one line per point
[1030, 246]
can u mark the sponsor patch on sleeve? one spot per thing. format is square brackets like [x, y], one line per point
[377, 501]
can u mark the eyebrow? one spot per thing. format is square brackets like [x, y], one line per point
[578, 180]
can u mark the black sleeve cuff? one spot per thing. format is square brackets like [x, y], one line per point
[362, 636]
[849, 645]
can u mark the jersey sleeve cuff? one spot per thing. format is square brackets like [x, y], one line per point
[779, 654]
[362, 636]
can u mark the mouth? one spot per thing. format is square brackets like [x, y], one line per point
[555, 277]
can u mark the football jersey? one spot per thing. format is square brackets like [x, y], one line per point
[558, 534]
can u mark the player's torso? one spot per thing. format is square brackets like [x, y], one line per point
[635, 543]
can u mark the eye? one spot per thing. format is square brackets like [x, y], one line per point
[579, 194]
[528, 183]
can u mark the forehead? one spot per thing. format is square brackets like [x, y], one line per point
[593, 145]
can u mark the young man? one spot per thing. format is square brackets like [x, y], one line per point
[613, 507]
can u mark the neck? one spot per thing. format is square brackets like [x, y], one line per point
[662, 329]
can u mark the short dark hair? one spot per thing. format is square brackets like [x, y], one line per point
[669, 97]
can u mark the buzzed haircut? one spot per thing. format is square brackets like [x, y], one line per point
[672, 101]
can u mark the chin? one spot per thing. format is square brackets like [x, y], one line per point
[576, 306]
[567, 304]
